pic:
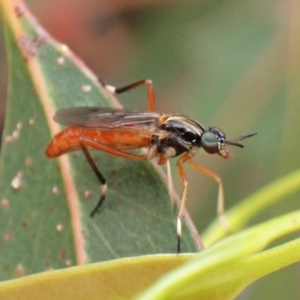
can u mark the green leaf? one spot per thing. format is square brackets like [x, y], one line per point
[223, 270]
[45, 208]
[117, 279]
[219, 272]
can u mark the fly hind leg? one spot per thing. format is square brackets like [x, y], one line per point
[100, 177]
[86, 142]
[147, 82]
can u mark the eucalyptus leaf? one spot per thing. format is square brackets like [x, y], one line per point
[46, 204]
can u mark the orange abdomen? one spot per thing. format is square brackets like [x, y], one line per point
[68, 140]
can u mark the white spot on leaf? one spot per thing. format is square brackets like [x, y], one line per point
[20, 271]
[15, 134]
[17, 181]
[65, 48]
[61, 61]
[87, 194]
[55, 190]
[59, 227]
[86, 88]
[68, 263]
[19, 126]
[31, 121]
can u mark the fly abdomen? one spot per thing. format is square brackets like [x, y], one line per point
[65, 141]
[69, 140]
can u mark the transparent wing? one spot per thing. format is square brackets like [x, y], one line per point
[108, 118]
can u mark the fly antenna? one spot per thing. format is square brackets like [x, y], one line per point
[233, 141]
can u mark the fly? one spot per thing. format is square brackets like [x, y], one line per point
[116, 131]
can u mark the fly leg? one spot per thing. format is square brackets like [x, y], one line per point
[100, 177]
[147, 82]
[220, 202]
[171, 187]
[182, 175]
[84, 144]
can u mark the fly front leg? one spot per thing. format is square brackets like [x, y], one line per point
[171, 187]
[220, 202]
[182, 175]
[147, 82]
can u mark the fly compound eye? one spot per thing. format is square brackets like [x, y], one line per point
[219, 133]
[210, 142]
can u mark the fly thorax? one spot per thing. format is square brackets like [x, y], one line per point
[183, 135]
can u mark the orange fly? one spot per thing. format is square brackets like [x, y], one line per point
[116, 131]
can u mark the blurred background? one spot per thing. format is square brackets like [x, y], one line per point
[232, 64]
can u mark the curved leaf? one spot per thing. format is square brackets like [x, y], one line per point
[220, 272]
[118, 279]
[46, 203]
[223, 270]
